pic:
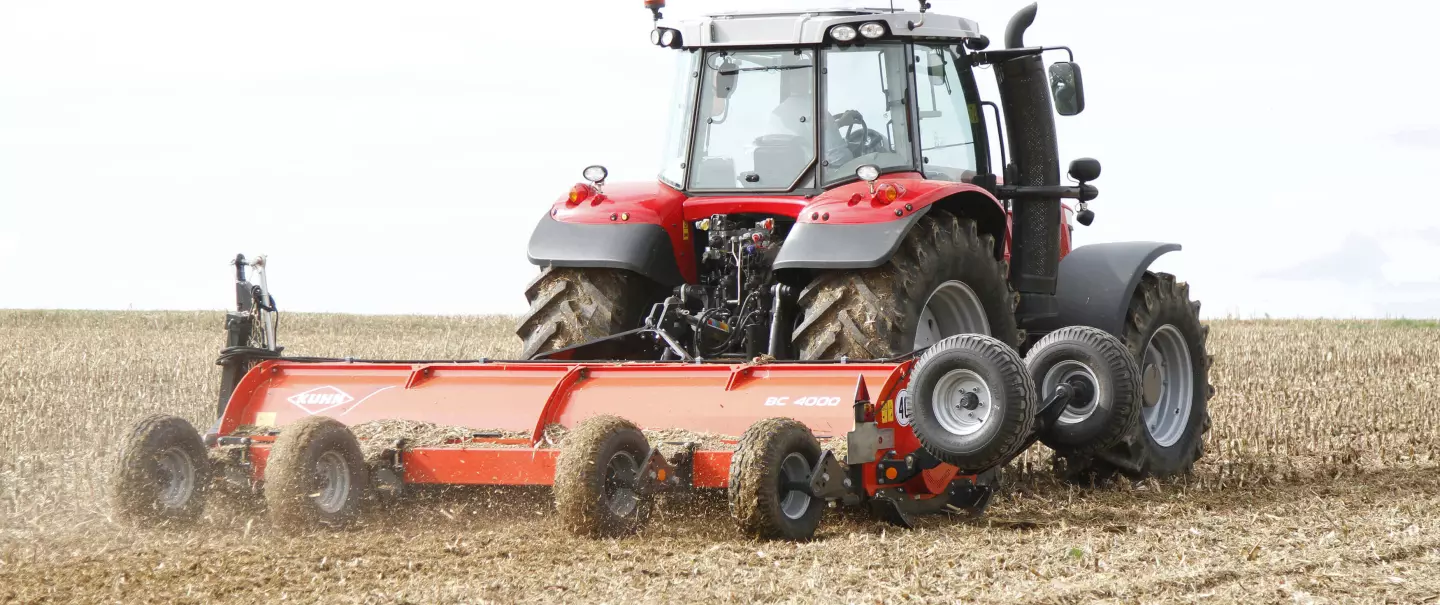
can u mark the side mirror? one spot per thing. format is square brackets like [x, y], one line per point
[1068, 88]
[1085, 169]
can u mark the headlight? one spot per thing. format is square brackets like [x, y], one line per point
[868, 172]
[596, 174]
[669, 37]
[655, 36]
[843, 33]
[872, 30]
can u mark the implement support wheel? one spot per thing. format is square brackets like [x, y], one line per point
[163, 472]
[597, 482]
[773, 455]
[315, 475]
[973, 401]
[1106, 379]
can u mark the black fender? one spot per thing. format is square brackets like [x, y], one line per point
[639, 247]
[1096, 283]
[860, 246]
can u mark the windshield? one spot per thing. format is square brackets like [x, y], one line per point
[865, 117]
[757, 120]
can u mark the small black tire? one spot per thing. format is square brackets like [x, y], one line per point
[1111, 405]
[163, 473]
[316, 475]
[771, 452]
[986, 409]
[591, 495]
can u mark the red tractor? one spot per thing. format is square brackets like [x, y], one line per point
[829, 192]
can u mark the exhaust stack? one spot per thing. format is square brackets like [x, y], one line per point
[1030, 128]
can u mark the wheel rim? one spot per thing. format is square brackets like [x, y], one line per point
[620, 477]
[334, 475]
[1063, 373]
[177, 478]
[962, 402]
[953, 308]
[1168, 353]
[794, 469]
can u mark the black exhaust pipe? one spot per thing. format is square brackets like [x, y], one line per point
[1030, 129]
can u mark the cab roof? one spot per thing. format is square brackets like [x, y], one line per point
[811, 26]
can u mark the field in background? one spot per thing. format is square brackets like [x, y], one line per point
[1321, 482]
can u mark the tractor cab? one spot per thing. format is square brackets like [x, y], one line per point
[795, 102]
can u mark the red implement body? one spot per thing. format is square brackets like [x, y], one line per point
[717, 399]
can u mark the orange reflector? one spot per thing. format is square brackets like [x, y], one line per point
[660, 475]
[891, 473]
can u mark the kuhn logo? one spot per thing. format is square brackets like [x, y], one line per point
[319, 399]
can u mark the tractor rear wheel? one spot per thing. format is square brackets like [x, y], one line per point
[943, 280]
[1164, 334]
[569, 306]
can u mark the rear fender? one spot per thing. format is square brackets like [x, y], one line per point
[846, 229]
[1096, 283]
[637, 227]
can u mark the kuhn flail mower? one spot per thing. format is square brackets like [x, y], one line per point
[825, 296]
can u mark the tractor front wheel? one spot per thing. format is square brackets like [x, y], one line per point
[1164, 334]
[943, 280]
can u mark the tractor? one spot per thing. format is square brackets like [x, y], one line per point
[832, 294]
[829, 191]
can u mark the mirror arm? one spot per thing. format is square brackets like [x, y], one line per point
[1083, 192]
[991, 57]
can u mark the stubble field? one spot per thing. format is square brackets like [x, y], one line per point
[1321, 484]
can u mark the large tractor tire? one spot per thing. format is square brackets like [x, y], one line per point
[1164, 334]
[569, 306]
[943, 280]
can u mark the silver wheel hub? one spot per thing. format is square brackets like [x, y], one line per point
[962, 402]
[953, 308]
[620, 476]
[1170, 378]
[177, 478]
[333, 473]
[1064, 373]
[794, 469]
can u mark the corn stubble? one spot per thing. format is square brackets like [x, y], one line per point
[1320, 482]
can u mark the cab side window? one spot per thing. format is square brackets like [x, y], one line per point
[947, 134]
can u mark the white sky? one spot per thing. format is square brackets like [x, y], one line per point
[393, 157]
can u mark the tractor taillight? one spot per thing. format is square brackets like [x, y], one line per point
[581, 192]
[886, 193]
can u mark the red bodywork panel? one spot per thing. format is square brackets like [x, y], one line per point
[850, 204]
[723, 399]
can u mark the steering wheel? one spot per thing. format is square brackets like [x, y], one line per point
[863, 140]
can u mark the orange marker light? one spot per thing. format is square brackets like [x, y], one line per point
[580, 192]
[660, 475]
[891, 473]
[886, 193]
